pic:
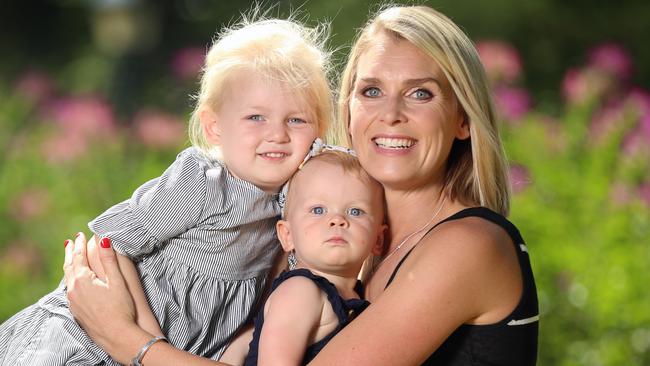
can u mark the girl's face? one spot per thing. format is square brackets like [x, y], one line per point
[404, 115]
[263, 130]
[334, 219]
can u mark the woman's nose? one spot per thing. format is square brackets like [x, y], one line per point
[393, 111]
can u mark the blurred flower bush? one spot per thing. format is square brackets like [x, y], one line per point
[581, 200]
[581, 180]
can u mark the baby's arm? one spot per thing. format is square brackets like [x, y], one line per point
[144, 316]
[292, 315]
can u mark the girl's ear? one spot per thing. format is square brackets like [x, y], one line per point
[210, 125]
[378, 248]
[284, 234]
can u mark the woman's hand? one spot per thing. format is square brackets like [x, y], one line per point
[104, 309]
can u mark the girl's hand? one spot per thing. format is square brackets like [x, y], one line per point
[104, 309]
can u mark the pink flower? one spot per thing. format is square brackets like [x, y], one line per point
[22, 258]
[583, 85]
[512, 102]
[519, 178]
[606, 120]
[612, 58]
[621, 193]
[29, 204]
[35, 86]
[86, 115]
[159, 130]
[187, 63]
[640, 100]
[501, 61]
[81, 121]
[643, 193]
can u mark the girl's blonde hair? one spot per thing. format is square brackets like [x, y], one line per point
[477, 171]
[283, 51]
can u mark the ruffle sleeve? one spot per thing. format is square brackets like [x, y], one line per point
[160, 209]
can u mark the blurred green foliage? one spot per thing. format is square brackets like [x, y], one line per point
[88, 112]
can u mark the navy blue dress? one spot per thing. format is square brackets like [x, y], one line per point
[345, 310]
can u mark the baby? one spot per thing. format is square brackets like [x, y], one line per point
[332, 221]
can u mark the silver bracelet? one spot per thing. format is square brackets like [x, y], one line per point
[138, 358]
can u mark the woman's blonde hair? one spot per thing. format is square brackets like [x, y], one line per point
[477, 171]
[283, 51]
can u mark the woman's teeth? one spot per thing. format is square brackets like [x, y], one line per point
[392, 143]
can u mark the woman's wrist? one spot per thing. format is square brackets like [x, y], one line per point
[127, 345]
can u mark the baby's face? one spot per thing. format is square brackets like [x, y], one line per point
[263, 130]
[335, 219]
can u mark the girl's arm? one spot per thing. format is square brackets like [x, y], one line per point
[463, 273]
[143, 314]
[106, 310]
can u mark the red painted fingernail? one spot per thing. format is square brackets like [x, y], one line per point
[65, 243]
[105, 243]
[76, 236]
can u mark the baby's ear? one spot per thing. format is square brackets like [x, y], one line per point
[378, 248]
[210, 125]
[284, 234]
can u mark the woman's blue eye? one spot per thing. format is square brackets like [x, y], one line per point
[371, 92]
[256, 117]
[318, 210]
[353, 211]
[422, 94]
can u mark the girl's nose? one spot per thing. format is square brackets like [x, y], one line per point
[277, 132]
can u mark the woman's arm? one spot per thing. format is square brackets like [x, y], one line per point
[106, 311]
[461, 273]
[143, 314]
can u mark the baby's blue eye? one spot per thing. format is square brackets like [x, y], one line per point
[371, 92]
[422, 94]
[318, 210]
[353, 211]
[256, 117]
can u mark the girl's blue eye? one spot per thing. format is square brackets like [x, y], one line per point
[422, 94]
[256, 117]
[353, 211]
[318, 210]
[371, 92]
[296, 120]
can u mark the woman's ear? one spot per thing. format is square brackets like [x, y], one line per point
[284, 234]
[378, 248]
[462, 129]
[210, 125]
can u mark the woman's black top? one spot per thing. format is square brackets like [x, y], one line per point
[511, 341]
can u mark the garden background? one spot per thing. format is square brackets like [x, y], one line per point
[95, 95]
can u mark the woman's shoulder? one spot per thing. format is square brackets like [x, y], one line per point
[471, 241]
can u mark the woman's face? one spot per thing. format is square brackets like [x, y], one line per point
[404, 116]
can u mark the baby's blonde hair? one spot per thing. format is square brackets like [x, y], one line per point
[283, 51]
[477, 170]
[348, 162]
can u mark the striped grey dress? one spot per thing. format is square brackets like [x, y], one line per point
[203, 242]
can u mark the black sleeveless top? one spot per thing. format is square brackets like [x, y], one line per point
[345, 310]
[511, 341]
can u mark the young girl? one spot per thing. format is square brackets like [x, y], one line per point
[202, 235]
